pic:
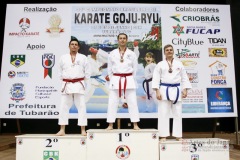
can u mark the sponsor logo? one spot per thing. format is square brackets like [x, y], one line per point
[193, 76]
[187, 42]
[217, 52]
[39, 9]
[218, 73]
[201, 30]
[178, 29]
[217, 41]
[197, 92]
[17, 92]
[219, 100]
[54, 22]
[11, 74]
[194, 157]
[44, 92]
[196, 9]
[51, 155]
[189, 64]
[17, 60]
[176, 17]
[122, 152]
[186, 53]
[35, 46]
[48, 61]
[24, 24]
[201, 18]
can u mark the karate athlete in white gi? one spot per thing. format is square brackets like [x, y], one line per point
[171, 82]
[73, 70]
[97, 60]
[151, 99]
[122, 67]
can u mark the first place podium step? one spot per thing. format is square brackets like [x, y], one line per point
[122, 144]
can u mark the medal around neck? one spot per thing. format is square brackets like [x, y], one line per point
[170, 70]
[121, 60]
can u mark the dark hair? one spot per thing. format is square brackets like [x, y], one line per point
[122, 34]
[166, 46]
[76, 40]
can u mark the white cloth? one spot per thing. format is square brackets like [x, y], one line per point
[129, 65]
[113, 102]
[74, 92]
[178, 75]
[66, 103]
[136, 51]
[148, 73]
[98, 82]
[165, 107]
[68, 70]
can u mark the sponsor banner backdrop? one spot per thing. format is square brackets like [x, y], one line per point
[36, 35]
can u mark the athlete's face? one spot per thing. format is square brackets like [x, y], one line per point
[169, 52]
[122, 40]
[74, 47]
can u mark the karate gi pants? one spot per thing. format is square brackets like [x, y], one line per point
[165, 108]
[67, 100]
[113, 102]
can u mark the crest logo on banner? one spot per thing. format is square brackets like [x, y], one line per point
[17, 60]
[48, 61]
[54, 22]
[178, 29]
[18, 92]
[11, 74]
[24, 23]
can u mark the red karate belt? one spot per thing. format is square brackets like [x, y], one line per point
[122, 75]
[72, 81]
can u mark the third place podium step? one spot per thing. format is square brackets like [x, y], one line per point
[122, 144]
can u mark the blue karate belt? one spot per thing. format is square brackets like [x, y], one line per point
[171, 85]
[98, 79]
[147, 83]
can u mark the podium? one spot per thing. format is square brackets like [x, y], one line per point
[101, 144]
[50, 147]
[195, 149]
[122, 144]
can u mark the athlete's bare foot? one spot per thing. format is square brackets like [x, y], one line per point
[84, 133]
[163, 139]
[179, 139]
[109, 128]
[135, 126]
[60, 133]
